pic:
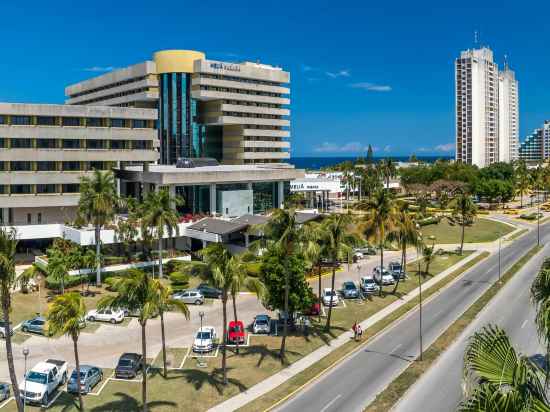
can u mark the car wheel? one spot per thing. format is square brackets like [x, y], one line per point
[25, 329]
[64, 379]
[45, 399]
[113, 321]
[2, 335]
[91, 319]
[198, 302]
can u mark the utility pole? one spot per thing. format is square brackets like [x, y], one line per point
[499, 247]
[538, 220]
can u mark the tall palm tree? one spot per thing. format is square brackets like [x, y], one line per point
[97, 204]
[165, 302]
[498, 378]
[338, 246]
[314, 246]
[223, 267]
[380, 221]
[387, 170]
[160, 217]
[464, 212]
[65, 316]
[8, 245]
[406, 234]
[428, 256]
[58, 266]
[540, 297]
[523, 180]
[138, 293]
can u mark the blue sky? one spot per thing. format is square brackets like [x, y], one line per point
[361, 74]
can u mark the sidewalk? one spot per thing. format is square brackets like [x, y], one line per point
[281, 377]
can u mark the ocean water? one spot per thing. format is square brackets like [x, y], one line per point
[319, 162]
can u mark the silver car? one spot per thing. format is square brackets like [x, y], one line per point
[90, 376]
[190, 296]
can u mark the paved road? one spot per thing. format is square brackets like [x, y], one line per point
[354, 383]
[512, 311]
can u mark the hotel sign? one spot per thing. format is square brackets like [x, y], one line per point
[227, 67]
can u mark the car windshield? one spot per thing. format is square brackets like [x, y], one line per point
[368, 281]
[330, 293]
[350, 286]
[125, 362]
[396, 266]
[82, 375]
[261, 321]
[236, 328]
[203, 335]
[37, 377]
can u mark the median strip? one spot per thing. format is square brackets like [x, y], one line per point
[386, 399]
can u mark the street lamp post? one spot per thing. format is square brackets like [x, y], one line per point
[201, 359]
[499, 249]
[538, 220]
[26, 355]
[419, 254]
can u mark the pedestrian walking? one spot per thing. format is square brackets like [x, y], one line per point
[359, 332]
[354, 329]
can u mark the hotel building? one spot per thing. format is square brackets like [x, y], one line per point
[508, 118]
[236, 113]
[536, 147]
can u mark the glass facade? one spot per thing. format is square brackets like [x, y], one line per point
[265, 196]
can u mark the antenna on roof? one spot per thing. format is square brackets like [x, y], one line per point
[505, 62]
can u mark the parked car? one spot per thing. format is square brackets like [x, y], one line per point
[383, 277]
[349, 290]
[90, 376]
[4, 391]
[368, 285]
[209, 292]
[35, 325]
[329, 297]
[3, 329]
[313, 310]
[136, 313]
[262, 324]
[190, 296]
[128, 366]
[204, 339]
[235, 332]
[42, 381]
[368, 250]
[106, 315]
[397, 271]
[357, 256]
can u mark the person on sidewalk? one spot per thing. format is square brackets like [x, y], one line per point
[354, 329]
[359, 332]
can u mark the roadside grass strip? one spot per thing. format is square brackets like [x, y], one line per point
[386, 399]
[294, 384]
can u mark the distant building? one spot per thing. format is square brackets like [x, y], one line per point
[531, 149]
[508, 118]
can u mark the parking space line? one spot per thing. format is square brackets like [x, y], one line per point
[215, 355]
[11, 398]
[102, 386]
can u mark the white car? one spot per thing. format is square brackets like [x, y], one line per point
[106, 315]
[204, 339]
[330, 298]
[383, 277]
[43, 380]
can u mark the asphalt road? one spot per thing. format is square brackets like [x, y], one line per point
[354, 383]
[512, 311]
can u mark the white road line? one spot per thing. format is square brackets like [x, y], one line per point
[6, 402]
[328, 405]
[394, 349]
[524, 323]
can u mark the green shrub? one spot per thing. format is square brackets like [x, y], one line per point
[113, 260]
[432, 220]
[175, 265]
[253, 269]
[248, 256]
[179, 278]
[70, 281]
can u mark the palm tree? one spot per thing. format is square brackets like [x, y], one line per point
[98, 200]
[25, 278]
[523, 181]
[387, 170]
[160, 217]
[8, 245]
[223, 267]
[137, 293]
[380, 221]
[165, 302]
[338, 246]
[428, 256]
[65, 316]
[406, 234]
[498, 378]
[58, 266]
[540, 296]
[464, 212]
[314, 242]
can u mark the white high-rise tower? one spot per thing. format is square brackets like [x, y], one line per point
[477, 107]
[508, 116]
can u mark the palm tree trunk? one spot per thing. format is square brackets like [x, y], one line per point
[285, 323]
[163, 338]
[160, 258]
[327, 326]
[224, 337]
[547, 380]
[234, 301]
[9, 351]
[462, 236]
[144, 367]
[320, 303]
[381, 266]
[98, 255]
[77, 362]
[403, 251]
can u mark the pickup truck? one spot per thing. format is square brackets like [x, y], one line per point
[42, 381]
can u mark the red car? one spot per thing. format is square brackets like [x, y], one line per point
[235, 333]
[314, 310]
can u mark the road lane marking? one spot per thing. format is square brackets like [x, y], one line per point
[524, 323]
[328, 405]
[394, 349]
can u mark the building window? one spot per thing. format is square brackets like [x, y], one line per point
[21, 143]
[95, 122]
[21, 120]
[70, 121]
[29, 218]
[71, 188]
[46, 166]
[118, 144]
[3, 189]
[118, 122]
[70, 166]
[96, 144]
[21, 166]
[45, 121]
[140, 144]
[3, 119]
[45, 188]
[3, 166]
[20, 189]
[71, 144]
[97, 166]
[46, 143]
[139, 124]
[39, 218]
[3, 142]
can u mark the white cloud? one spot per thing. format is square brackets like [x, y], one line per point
[448, 147]
[387, 148]
[99, 69]
[306, 68]
[371, 87]
[351, 147]
[340, 73]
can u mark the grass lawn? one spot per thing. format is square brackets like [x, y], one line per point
[196, 389]
[483, 230]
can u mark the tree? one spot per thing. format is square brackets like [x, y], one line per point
[137, 293]
[96, 206]
[498, 378]
[65, 316]
[523, 180]
[387, 170]
[160, 217]
[405, 234]
[314, 249]
[25, 278]
[127, 233]
[58, 266]
[464, 212]
[380, 220]
[163, 303]
[413, 158]
[540, 297]
[338, 246]
[370, 156]
[8, 245]
[428, 256]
